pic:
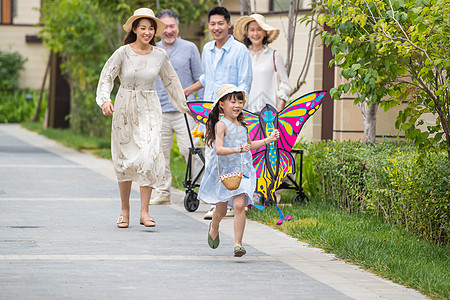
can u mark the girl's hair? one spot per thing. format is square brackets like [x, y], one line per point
[131, 36]
[213, 118]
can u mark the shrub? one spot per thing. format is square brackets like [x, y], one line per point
[340, 170]
[413, 190]
[391, 180]
[10, 65]
[20, 105]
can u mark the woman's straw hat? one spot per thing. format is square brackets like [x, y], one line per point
[228, 89]
[145, 13]
[241, 24]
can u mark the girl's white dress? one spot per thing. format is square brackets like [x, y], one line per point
[211, 189]
[136, 125]
[264, 84]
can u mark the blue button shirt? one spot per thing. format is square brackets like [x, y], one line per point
[185, 59]
[234, 67]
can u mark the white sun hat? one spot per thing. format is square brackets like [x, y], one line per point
[240, 27]
[145, 13]
[228, 89]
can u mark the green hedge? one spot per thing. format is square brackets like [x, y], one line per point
[391, 180]
[20, 105]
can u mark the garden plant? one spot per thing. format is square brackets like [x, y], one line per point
[393, 52]
[16, 105]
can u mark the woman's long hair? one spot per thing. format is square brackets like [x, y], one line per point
[131, 36]
[213, 118]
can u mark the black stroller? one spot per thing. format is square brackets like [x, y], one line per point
[291, 184]
[191, 202]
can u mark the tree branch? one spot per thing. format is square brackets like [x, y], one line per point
[309, 52]
[105, 33]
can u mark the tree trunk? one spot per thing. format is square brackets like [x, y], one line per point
[448, 145]
[369, 114]
[292, 19]
[245, 7]
[41, 93]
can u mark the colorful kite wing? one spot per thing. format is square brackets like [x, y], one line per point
[269, 177]
[200, 110]
[263, 176]
[292, 118]
[287, 162]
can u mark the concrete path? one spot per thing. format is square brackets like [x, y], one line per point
[59, 240]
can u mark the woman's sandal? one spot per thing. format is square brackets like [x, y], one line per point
[123, 222]
[239, 251]
[148, 222]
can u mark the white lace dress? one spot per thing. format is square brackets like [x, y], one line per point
[136, 126]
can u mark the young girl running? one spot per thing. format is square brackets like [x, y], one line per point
[231, 148]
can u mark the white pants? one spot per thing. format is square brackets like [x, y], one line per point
[174, 122]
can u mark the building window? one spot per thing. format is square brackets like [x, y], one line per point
[279, 5]
[6, 11]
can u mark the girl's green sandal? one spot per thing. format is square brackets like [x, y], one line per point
[213, 243]
[239, 251]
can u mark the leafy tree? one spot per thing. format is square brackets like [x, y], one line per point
[394, 51]
[10, 65]
[70, 31]
[188, 11]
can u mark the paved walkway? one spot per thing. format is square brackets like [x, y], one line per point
[58, 239]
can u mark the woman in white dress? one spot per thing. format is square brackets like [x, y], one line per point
[267, 86]
[136, 126]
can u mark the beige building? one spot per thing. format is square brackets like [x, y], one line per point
[18, 33]
[337, 119]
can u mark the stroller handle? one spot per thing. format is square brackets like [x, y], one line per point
[189, 130]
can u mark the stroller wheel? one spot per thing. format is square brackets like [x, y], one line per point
[191, 202]
[299, 198]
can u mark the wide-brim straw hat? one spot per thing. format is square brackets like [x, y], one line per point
[228, 89]
[240, 27]
[145, 13]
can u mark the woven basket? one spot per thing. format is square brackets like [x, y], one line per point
[231, 180]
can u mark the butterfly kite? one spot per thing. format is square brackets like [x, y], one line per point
[274, 161]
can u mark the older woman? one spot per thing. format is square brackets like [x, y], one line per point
[136, 127]
[270, 81]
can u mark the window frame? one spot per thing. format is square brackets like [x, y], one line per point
[6, 13]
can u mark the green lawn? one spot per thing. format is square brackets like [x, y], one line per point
[385, 249]
[98, 146]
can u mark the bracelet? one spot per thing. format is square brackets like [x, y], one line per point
[241, 149]
[264, 141]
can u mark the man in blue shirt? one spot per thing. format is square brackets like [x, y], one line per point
[185, 59]
[224, 60]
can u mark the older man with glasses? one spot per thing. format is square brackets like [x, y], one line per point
[185, 59]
